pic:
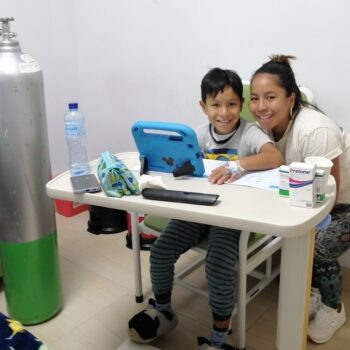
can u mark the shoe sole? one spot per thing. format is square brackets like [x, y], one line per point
[134, 336]
[321, 341]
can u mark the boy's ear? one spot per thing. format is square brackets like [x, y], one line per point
[202, 104]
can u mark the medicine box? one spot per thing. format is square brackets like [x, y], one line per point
[302, 189]
[319, 179]
[284, 181]
[320, 185]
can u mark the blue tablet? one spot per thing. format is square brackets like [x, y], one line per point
[168, 147]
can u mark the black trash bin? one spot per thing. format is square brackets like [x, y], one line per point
[106, 220]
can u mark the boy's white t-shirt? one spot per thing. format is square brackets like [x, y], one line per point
[246, 140]
[312, 133]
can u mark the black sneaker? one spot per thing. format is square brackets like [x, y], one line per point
[150, 324]
[204, 344]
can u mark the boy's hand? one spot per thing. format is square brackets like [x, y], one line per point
[224, 174]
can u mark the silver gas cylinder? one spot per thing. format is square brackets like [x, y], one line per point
[28, 238]
[26, 213]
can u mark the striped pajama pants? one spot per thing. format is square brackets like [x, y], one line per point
[221, 260]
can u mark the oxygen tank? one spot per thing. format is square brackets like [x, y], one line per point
[28, 238]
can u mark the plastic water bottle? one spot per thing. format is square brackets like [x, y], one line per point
[74, 125]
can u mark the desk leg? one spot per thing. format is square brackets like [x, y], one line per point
[135, 237]
[294, 292]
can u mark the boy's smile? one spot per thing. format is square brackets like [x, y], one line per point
[223, 110]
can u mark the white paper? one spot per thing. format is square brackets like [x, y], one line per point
[211, 164]
[265, 179]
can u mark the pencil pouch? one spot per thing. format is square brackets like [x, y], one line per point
[115, 178]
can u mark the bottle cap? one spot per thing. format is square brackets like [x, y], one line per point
[73, 105]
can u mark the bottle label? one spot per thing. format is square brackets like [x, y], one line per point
[74, 129]
[29, 64]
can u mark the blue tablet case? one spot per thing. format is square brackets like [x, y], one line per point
[168, 147]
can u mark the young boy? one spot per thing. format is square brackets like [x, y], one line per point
[229, 137]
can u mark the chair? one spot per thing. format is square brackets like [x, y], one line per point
[254, 249]
[245, 113]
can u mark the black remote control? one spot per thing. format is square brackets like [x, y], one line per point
[180, 196]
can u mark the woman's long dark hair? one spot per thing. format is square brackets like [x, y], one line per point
[279, 65]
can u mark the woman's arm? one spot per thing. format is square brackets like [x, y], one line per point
[268, 157]
[335, 171]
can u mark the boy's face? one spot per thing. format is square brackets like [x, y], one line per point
[223, 110]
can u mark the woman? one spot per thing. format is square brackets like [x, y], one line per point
[300, 130]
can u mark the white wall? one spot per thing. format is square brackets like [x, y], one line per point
[125, 60]
[46, 30]
[144, 59]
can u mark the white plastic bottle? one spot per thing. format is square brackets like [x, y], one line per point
[74, 124]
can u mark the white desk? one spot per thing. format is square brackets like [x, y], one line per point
[238, 207]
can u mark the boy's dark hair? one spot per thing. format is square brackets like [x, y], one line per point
[217, 79]
[279, 65]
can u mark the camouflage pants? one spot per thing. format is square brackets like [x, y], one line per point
[330, 244]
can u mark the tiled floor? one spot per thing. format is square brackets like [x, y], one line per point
[98, 287]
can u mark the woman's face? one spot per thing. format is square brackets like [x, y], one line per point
[269, 103]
